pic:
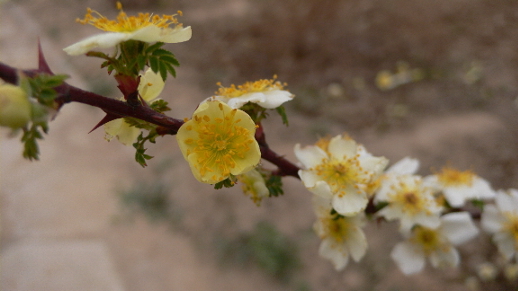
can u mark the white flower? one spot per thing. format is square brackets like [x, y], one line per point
[150, 87]
[502, 221]
[409, 201]
[341, 236]
[144, 27]
[254, 186]
[459, 186]
[268, 94]
[340, 170]
[436, 244]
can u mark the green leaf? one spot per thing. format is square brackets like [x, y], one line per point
[163, 71]
[154, 47]
[154, 64]
[274, 185]
[282, 112]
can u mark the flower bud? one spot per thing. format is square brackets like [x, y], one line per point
[15, 108]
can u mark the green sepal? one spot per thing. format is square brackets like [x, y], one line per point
[30, 136]
[140, 155]
[274, 185]
[42, 87]
[282, 112]
[227, 183]
[160, 106]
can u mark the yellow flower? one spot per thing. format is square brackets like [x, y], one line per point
[15, 107]
[145, 27]
[218, 142]
[150, 87]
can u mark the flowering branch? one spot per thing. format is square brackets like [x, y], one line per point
[224, 141]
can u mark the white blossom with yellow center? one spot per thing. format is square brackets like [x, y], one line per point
[438, 244]
[501, 220]
[459, 186]
[218, 142]
[145, 27]
[409, 201]
[340, 170]
[268, 94]
[253, 185]
[342, 237]
[150, 87]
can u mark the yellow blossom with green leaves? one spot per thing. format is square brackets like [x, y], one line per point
[219, 142]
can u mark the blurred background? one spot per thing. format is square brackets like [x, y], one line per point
[434, 80]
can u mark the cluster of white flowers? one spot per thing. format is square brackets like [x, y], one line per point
[347, 181]
[346, 178]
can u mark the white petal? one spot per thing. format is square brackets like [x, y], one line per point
[406, 166]
[275, 98]
[103, 40]
[455, 196]
[356, 243]
[309, 178]
[310, 156]
[128, 134]
[152, 33]
[341, 148]
[424, 219]
[112, 128]
[375, 165]
[458, 227]
[322, 189]
[482, 189]
[151, 85]
[351, 203]
[507, 202]
[408, 258]
[176, 36]
[492, 219]
[506, 244]
[237, 102]
[445, 258]
[338, 256]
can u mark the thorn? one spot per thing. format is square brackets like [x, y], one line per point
[42, 62]
[109, 117]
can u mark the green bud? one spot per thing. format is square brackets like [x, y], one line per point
[15, 107]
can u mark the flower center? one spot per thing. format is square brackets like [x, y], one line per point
[429, 239]
[452, 177]
[410, 199]
[220, 142]
[511, 226]
[125, 23]
[249, 87]
[336, 227]
[340, 173]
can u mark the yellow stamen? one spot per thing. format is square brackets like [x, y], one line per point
[125, 23]
[249, 87]
[452, 177]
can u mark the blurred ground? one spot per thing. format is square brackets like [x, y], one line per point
[62, 224]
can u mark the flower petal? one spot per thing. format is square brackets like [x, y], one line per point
[409, 259]
[337, 255]
[275, 98]
[103, 40]
[310, 156]
[458, 227]
[351, 203]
